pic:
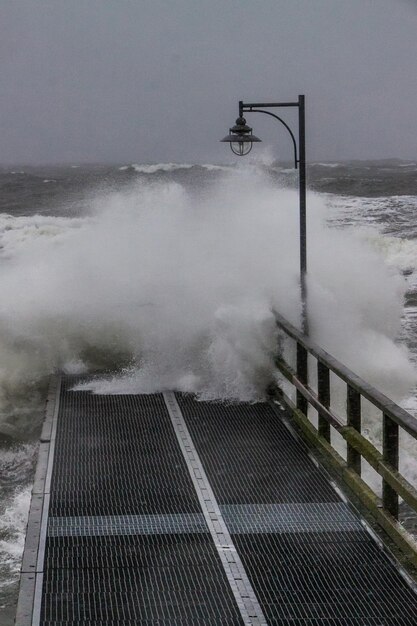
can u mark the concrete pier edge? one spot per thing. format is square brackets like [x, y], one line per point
[28, 603]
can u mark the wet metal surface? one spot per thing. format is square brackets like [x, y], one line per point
[319, 567]
[165, 510]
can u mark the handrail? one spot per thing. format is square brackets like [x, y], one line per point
[396, 413]
[357, 441]
[358, 447]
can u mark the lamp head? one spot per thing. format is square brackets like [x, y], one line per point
[240, 137]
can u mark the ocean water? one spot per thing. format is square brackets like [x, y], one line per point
[159, 276]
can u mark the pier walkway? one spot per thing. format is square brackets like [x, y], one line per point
[158, 509]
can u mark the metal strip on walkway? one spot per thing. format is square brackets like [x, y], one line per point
[248, 604]
[239, 518]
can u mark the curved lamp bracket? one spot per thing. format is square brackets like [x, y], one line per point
[251, 110]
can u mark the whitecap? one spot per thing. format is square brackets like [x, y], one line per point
[157, 167]
[328, 164]
[170, 167]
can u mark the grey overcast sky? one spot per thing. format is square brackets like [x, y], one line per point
[159, 80]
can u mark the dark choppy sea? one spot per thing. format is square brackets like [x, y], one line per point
[87, 251]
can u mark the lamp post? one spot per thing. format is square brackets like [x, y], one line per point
[241, 139]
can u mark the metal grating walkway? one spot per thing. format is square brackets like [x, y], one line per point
[322, 568]
[162, 510]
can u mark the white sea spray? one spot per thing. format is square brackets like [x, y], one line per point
[13, 522]
[177, 291]
[170, 285]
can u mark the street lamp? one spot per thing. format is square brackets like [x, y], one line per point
[241, 139]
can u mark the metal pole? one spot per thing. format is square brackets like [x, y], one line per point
[302, 355]
[303, 221]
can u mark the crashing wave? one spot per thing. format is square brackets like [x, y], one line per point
[169, 167]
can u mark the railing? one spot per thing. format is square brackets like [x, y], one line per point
[394, 485]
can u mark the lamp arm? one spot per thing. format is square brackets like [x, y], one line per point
[296, 161]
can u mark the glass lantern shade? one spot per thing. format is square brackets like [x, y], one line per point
[240, 138]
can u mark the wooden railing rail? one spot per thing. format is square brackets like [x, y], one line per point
[394, 485]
